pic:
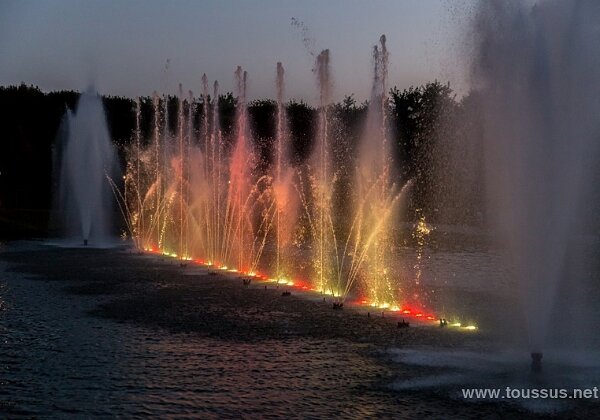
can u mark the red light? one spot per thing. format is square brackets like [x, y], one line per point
[301, 284]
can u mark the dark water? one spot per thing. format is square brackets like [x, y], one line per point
[56, 361]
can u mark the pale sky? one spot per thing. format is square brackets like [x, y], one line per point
[123, 45]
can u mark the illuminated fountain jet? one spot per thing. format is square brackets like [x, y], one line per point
[86, 157]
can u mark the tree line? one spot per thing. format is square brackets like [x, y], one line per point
[435, 138]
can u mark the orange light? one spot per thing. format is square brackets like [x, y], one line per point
[304, 285]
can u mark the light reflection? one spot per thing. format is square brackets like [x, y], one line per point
[334, 293]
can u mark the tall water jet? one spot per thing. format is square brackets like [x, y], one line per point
[322, 180]
[339, 252]
[205, 218]
[370, 241]
[247, 208]
[373, 174]
[283, 188]
[139, 225]
[137, 187]
[535, 68]
[208, 183]
[215, 172]
[237, 223]
[153, 238]
[189, 157]
[183, 140]
[87, 157]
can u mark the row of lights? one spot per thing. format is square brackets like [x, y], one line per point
[299, 285]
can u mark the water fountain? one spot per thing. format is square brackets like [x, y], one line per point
[239, 240]
[536, 68]
[86, 158]
[286, 204]
[322, 180]
[188, 196]
[204, 194]
[376, 210]
[362, 250]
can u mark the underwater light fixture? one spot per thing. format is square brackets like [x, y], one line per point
[403, 324]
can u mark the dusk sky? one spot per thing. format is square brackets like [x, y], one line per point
[123, 46]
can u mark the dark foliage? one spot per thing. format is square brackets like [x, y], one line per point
[430, 128]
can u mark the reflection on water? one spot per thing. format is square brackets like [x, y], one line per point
[56, 360]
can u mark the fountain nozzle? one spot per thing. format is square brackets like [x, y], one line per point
[536, 362]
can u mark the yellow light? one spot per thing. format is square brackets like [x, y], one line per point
[456, 324]
[422, 227]
[470, 327]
